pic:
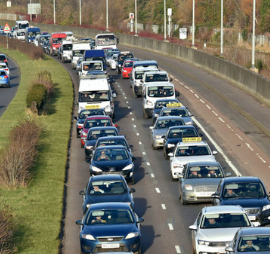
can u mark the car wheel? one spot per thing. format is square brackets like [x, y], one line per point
[154, 148]
[82, 146]
[183, 202]
[135, 95]
[8, 86]
[85, 157]
[165, 154]
[78, 135]
[145, 116]
[139, 251]
[173, 179]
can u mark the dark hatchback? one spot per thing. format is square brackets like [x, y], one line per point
[121, 58]
[106, 188]
[93, 135]
[113, 160]
[248, 192]
[82, 116]
[176, 134]
[110, 227]
[159, 104]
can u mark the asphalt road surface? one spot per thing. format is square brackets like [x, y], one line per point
[231, 122]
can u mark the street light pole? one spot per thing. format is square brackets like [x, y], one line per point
[54, 11]
[253, 37]
[165, 28]
[136, 28]
[80, 6]
[221, 30]
[107, 18]
[193, 23]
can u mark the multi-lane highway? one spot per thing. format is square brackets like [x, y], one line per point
[224, 114]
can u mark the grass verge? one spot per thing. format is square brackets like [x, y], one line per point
[37, 209]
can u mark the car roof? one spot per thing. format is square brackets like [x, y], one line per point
[157, 72]
[182, 127]
[111, 147]
[107, 177]
[223, 209]
[104, 128]
[163, 118]
[242, 179]
[112, 138]
[254, 231]
[182, 107]
[166, 100]
[110, 205]
[97, 117]
[92, 109]
[192, 143]
[152, 84]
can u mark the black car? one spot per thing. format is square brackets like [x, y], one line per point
[85, 113]
[159, 104]
[94, 134]
[176, 134]
[248, 192]
[107, 188]
[113, 160]
[111, 141]
[121, 58]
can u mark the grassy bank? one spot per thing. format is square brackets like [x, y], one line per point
[37, 209]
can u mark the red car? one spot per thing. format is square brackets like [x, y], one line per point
[127, 67]
[94, 121]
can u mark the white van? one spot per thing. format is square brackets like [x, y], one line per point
[95, 91]
[156, 91]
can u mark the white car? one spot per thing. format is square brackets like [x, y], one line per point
[189, 150]
[113, 62]
[215, 227]
[4, 66]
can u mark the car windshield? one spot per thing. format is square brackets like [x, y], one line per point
[156, 77]
[67, 47]
[94, 96]
[166, 123]
[160, 91]
[78, 52]
[97, 123]
[224, 220]
[128, 64]
[162, 104]
[110, 216]
[192, 151]
[204, 172]
[57, 40]
[92, 66]
[252, 243]
[174, 112]
[122, 57]
[94, 112]
[95, 134]
[182, 133]
[111, 154]
[107, 188]
[243, 190]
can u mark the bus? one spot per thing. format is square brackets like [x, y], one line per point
[106, 41]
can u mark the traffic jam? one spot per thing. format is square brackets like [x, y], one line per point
[240, 204]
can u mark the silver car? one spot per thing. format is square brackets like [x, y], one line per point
[215, 227]
[159, 130]
[251, 241]
[199, 181]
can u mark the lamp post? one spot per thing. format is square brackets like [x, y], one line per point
[193, 24]
[136, 27]
[80, 6]
[54, 11]
[107, 18]
[253, 38]
[221, 30]
[165, 28]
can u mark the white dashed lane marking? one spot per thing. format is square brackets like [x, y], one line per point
[163, 206]
[157, 190]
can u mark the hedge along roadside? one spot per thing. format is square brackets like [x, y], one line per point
[37, 209]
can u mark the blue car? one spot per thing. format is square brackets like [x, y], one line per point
[4, 79]
[110, 227]
[106, 188]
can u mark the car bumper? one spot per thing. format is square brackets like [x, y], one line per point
[125, 74]
[3, 84]
[88, 246]
[158, 142]
[210, 249]
[197, 197]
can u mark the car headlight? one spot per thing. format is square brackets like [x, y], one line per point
[156, 115]
[88, 237]
[202, 242]
[149, 103]
[189, 123]
[131, 235]
[88, 147]
[188, 187]
[266, 207]
[171, 145]
[88, 205]
[96, 169]
[177, 165]
[119, 65]
[158, 136]
[128, 167]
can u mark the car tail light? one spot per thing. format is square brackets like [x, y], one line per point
[6, 69]
[5, 76]
[5, 60]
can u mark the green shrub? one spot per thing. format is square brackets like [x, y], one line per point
[37, 94]
[45, 78]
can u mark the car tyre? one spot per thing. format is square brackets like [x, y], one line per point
[145, 116]
[135, 95]
[139, 251]
[165, 154]
[8, 86]
[183, 202]
[82, 146]
[78, 135]
[154, 147]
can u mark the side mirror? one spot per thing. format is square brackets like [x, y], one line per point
[114, 95]
[171, 79]
[132, 190]
[151, 127]
[229, 249]
[79, 222]
[134, 158]
[215, 152]
[140, 220]
[215, 195]
[82, 193]
[177, 93]
[193, 227]
[76, 118]
[163, 136]
[228, 174]
[131, 146]
[116, 125]
[170, 154]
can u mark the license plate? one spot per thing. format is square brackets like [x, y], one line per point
[110, 245]
[252, 217]
[92, 106]
[221, 251]
[204, 194]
